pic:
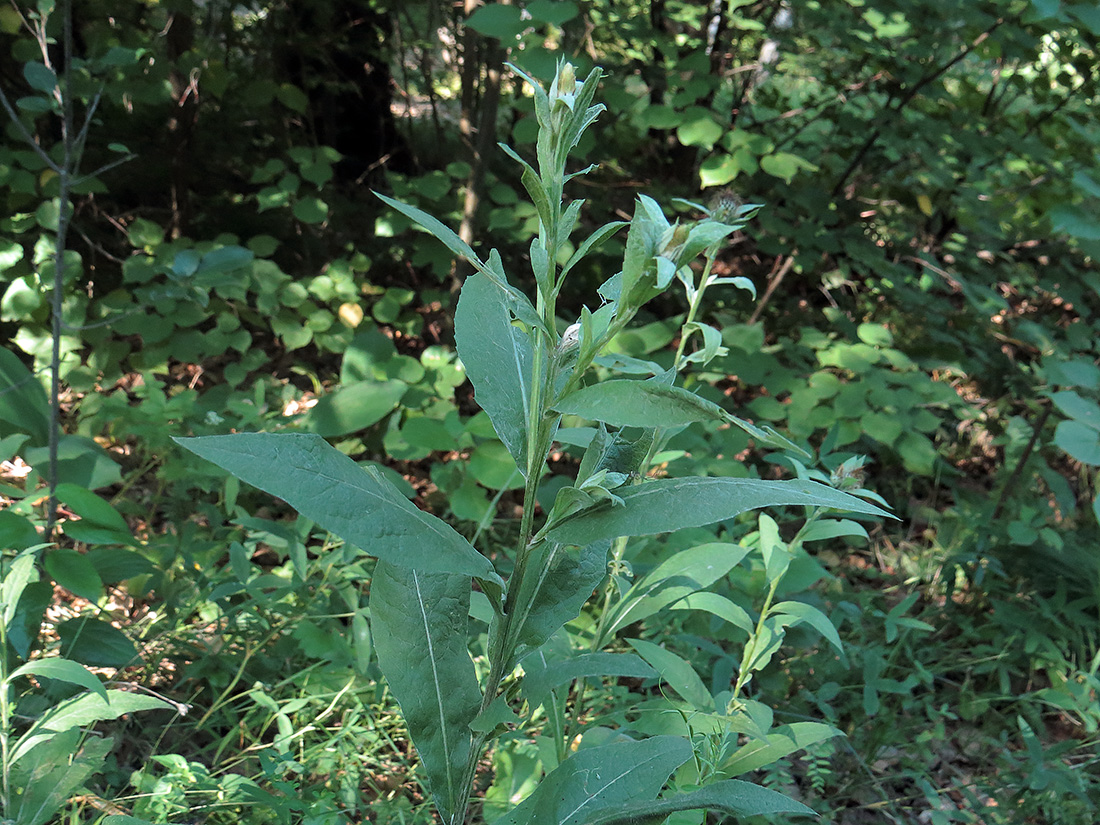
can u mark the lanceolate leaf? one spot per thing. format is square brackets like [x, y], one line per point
[355, 503]
[541, 676]
[419, 622]
[677, 672]
[720, 606]
[63, 670]
[51, 772]
[601, 778]
[809, 614]
[568, 581]
[781, 742]
[674, 503]
[437, 228]
[621, 402]
[732, 797]
[498, 359]
[676, 578]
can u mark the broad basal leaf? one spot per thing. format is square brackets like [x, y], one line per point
[595, 779]
[674, 503]
[419, 622]
[498, 359]
[353, 502]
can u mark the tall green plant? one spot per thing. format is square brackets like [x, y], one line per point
[527, 375]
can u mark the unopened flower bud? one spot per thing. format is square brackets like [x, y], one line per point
[563, 92]
[725, 206]
[570, 338]
[673, 240]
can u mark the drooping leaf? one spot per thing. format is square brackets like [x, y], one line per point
[717, 605]
[86, 709]
[622, 402]
[436, 228]
[665, 505]
[64, 670]
[360, 506]
[732, 796]
[499, 361]
[419, 622]
[599, 778]
[677, 672]
[809, 614]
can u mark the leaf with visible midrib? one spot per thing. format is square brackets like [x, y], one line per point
[669, 504]
[733, 797]
[357, 504]
[596, 778]
[498, 359]
[624, 403]
[568, 579]
[419, 622]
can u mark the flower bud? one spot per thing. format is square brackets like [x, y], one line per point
[725, 206]
[673, 240]
[570, 338]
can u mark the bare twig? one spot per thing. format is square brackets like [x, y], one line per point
[779, 272]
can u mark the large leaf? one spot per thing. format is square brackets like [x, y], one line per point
[354, 502]
[567, 581]
[621, 402]
[732, 797]
[24, 406]
[95, 642]
[419, 622]
[601, 777]
[674, 503]
[498, 359]
[47, 775]
[74, 572]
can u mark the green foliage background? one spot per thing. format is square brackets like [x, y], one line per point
[926, 266]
